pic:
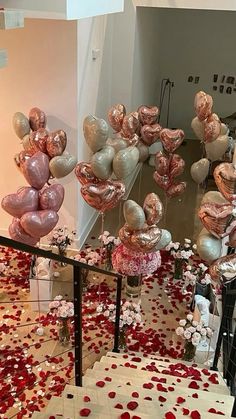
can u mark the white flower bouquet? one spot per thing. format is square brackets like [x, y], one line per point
[130, 313]
[61, 308]
[193, 331]
[62, 238]
[179, 251]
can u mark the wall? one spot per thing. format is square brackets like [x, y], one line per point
[189, 4]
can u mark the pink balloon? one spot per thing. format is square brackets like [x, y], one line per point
[148, 114]
[39, 223]
[38, 140]
[52, 197]
[203, 105]
[161, 163]
[217, 218]
[171, 139]
[116, 115]
[150, 133]
[212, 127]
[36, 170]
[176, 189]
[130, 124]
[26, 199]
[225, 179]
[37, 119]
[104, 195]
[232, 238]
[17, 233]
[176, 166]
[162, 181]
[84, 173]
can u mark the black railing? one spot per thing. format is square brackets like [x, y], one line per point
[77, 284]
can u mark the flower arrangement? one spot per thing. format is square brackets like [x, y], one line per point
[61, 308]
[195, 274]
[130, 313]
[109, 242]
[193, 331]
[61, 237]
[179, 251]
[132, 263]
[89, 256]
[106, 238]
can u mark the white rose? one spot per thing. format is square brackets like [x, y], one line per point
[203, 332]
[189, 317]
[179, 331]
[99, 309]
[182, 322]
[106, 313]
[188, 267]
[194, 323]
[187, 240]
[187, 334]
[129, 321]
[192, 329]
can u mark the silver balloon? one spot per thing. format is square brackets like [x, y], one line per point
[164, 240]
[134, 215]
[208, 246]
[101, 163]
[199, 170]
[213, 196]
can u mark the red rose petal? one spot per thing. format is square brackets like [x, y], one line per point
[132, 405]
[87, 399]
[100, 384]
[85, 412]
[118, 406]
[185, 411]
[170, 415]
[162, 399]
[195, 415]
[180, 400]
[135, 394]
[125, 415]
[112, 394]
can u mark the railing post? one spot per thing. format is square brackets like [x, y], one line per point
[117, 321]
[78, 292]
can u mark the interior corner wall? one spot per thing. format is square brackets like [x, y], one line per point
[41, 72]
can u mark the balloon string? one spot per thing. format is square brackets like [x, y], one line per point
[165, 209]
[119, 224]
[140, 184]
[101, 252]
[39, 308]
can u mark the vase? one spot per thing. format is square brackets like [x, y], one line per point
[62, 251]
[134, 285]
[189, 351]
[64, 331]
[85, 280]
[178, 273]
[122, 339]
[108, 256]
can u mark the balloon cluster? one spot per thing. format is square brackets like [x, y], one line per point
[140, 232]
[35, 208]
[168, 167]
[209, 130]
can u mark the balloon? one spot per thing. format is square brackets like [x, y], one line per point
[21, 125]
[199, 170]
[25, 200]
[161, 163]
[130, 124]
[116, 115]
[198, 128]
[217, 218]
[51, 197]
[171, 139]
[101, 162]
[36, 169]
[26, 142]
[217, 149]
[164, 240]
[213, 196]
[211, 128]
[56, 143]
[61, 166]
[17, 233]
[176, 189]
[104, 195]
[153, 209]
[134, 215]
[232, 238]
[38, 140]
[224, 269]
[148, 114]
[143, 151]
[144, 240]
[162, 181]
[117, 143]
[84, 173]
[225, 179]
[150, 133]
[203, 105]
[95, 132]
[224, 129]
[132, 141]
[125, 162]
[208, 246]
[39, 223]
[37, 119]
[176, 165]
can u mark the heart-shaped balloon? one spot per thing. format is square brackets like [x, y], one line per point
[148, 114]
[84, 173]
[225, 179]
[164, 240]
[56, 143]
[198, 128]
[39, 223]
[224, 130]
[176, 189]
[101, 162]
[203, 105]
[125, 162]
[26, 199]
[134, 215]
[176, 166]
[161, 163]
[21, 157]
[21, 125]
[171, 139]
[26, 142]
[104, 195]
[143, 151]
[17, 233]
[36, 170]
[144, 240]
[217, 218]
[116, 115]
[132, 141]
[37, 119]
[212, 128]
[217, 149]
[61, 166]
[223, 270]
[150, 133]
[38, 140]
[117, 143]
[213, 196]
[208, 246]
[199, 170]
[162, 181]
[52, 197]
[232, 238]
[95, 132]
[153, 209]
[130, 124]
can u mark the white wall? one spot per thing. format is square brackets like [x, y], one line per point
[189, 4]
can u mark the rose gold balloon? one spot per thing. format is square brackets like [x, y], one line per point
[171, 139]
[232, 239]
[38, 140]
[176, 189]
[36, 170]
[217, 218]
[162, 181]
[161, 163]
[104, 195]
[130, 124]
[203, 105]
[116, 115]
[153, 209]
[56, 143]
[21, 157]
[144, 240]
[37, 119]
[150, 133]
[39, 223]
[176, 166]
[26, 199]
[225, 178]
[84, 174]
[51, 197]
[133, 141]
[212, 127]
[223, 269]
[17, 233]
[148, 114]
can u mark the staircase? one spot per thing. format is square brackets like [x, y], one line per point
[133, 386]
